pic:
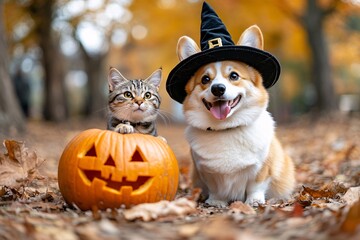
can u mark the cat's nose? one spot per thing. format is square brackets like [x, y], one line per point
[138, 101]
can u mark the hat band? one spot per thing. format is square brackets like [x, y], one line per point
[216, 42]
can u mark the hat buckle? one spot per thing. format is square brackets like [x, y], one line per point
[216, 42]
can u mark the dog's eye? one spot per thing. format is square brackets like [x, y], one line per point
[205, 79]
[234, 76]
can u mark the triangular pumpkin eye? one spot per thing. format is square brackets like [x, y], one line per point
[137, 157]
[91, 152]
[110, 162]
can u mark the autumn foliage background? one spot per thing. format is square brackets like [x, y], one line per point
[59, 51]
[55, 55]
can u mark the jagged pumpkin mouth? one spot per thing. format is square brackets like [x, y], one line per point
[91, 174]
[116, 185]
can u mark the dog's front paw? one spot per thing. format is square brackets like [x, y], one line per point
[124, 128]
[255, 201]
[216, 203]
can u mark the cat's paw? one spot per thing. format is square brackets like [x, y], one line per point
[124, 128]
[216, 203]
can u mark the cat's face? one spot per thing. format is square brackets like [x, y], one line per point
[134, 100]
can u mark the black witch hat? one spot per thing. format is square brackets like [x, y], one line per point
[217, 45]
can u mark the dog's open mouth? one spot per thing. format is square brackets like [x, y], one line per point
[220, 109]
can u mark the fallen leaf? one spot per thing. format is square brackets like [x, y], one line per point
[108, 227]
[352, 195]
[10, 194]
[341, 153]
[188, 230]
[304, 199]
[335, 188]
[220, 228]
[298, 210]
[152, 211]
[351, 223]
[18, 165]
[53, 232]
[243, 208]
[296, 222]
[195, 194]
[327, 191]
[2, 191]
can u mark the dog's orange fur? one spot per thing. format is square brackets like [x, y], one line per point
[280, 167]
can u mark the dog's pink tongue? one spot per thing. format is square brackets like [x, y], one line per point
[220, 109]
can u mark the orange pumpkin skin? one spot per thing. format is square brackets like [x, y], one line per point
[105, 169]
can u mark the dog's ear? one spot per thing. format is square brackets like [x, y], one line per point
[252, 37]
[186, 47]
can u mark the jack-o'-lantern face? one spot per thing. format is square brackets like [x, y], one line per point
[113, 177]
[107, 169]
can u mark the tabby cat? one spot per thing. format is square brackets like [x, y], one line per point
[133, 104]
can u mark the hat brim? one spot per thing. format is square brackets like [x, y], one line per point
[265, 63]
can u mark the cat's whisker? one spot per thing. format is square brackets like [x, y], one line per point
[165, 116]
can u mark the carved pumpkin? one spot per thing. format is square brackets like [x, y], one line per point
[105, 169]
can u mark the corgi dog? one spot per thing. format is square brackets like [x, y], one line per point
[236, 154]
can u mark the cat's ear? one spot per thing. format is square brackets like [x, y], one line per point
[155, 78]
[186, 47]
[252, 37]
[115, 78]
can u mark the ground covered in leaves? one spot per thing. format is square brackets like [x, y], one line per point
[325, 204]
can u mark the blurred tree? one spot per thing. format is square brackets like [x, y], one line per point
[95, 65]
[11, 117]
[42, 12]
[312, 18]
[30, 25]
[94, 27]
[87, 22]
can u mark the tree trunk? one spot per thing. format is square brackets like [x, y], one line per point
[321, 69]
[96, 104]
[11, 117]
[96, 101]
[54, 108]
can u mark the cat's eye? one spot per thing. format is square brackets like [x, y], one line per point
[234, 76]
[205, 79]
[147, 95]
[127, 94]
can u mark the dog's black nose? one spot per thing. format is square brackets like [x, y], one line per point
[218, 89]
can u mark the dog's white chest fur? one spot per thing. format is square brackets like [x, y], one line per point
[228, 161]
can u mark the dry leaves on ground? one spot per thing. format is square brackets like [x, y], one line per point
[152, 211]
[325, 204]
[19, 165]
